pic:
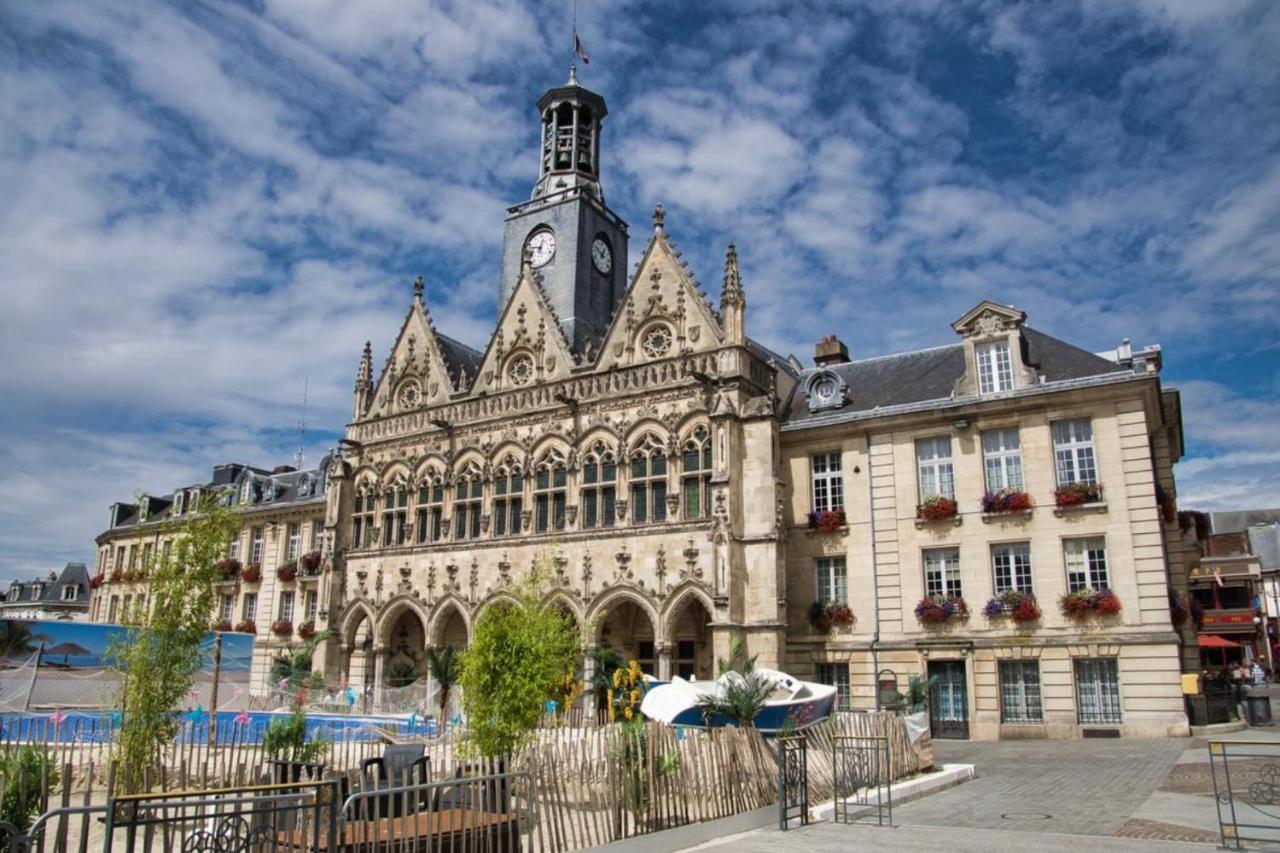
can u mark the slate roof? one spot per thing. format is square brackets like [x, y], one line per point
[51, 593]
[458, 357]
[1238, 521]
[928, 375]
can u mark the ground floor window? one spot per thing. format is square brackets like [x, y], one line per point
[837, 675]
[687, 659]
[645, 656]
[1020, 692]
[1098, 690]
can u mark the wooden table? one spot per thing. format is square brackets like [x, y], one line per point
[444, 831]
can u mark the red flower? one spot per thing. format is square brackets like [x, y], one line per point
[937, 508]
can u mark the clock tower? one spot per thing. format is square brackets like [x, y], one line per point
[577, 244]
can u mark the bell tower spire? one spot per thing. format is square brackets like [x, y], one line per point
[571, 122]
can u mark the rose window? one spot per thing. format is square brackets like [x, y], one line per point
[410, 396]
[656, 342]
[520, 371]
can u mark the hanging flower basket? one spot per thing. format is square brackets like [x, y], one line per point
[1006, 501]
[307, 629]
[824, 616]
[288, 571]
[247, 627]
[1021, 606]
[827, 520]
[310, 562]
[282, 628]
[96, 581]
[228, 567]
[936, 609]
[1088, 602]
[1077, 494]
[251, 573]
[937, 508]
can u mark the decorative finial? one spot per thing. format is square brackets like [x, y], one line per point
[731, 293]
[659, 218]
[417, 288]
[573, 74]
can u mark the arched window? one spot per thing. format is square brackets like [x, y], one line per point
[549, 484]
[599, 487]
[468, 493]
[649, 481]
[695, 475]
[395, 515]
[362, 520]
[508, 498]
[430, 508]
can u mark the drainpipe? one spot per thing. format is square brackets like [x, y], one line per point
[875, 579]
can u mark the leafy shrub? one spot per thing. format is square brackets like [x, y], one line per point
[24, 785]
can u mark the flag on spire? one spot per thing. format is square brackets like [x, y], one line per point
[580, 51]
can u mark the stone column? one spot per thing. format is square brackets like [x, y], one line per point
[379, 663]
[665, 653]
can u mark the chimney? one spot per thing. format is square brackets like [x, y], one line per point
[830, 350]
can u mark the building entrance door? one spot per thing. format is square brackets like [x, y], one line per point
[948, 699]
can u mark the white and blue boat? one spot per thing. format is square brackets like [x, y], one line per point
[804, 703]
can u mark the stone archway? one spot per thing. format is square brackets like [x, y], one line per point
[450, 628]
[689, 641]
[358, 641]
[627, 627]
[405, 642]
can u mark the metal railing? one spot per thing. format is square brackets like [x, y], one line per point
[862, 780]
[1246, 786]
[793, 781]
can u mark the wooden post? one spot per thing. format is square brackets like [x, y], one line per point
[31, 688]
[213, 698]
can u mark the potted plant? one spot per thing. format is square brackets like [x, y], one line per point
[117, 575]
[827, 520]
[247, 627]
[937, 508]
[288, 571]
[936, 609]
[307, 629]
[1077, 494]
[251, 573]
[1021, 606]
[310, 562]
[822, 616]
[1006, 501]
[282, 628]
[229, 567]
[1087, 602]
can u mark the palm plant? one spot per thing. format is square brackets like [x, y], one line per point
[742, 694]
[16, 639]
[605, 663]
[446, 666]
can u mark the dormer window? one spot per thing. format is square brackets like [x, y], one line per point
[194, 503]
[177, 503]
[36, 591]
[995, 371]
[246, 491]
[70, 591]
[826, 390]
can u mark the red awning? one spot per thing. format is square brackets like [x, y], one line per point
[1213, 641]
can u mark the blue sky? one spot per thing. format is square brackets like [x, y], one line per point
[205, 205]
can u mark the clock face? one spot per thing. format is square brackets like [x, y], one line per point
[601, 256]
[542, 247]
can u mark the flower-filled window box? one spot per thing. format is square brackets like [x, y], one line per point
[1077, 494]
[117, 576]
[1007, 502]
[247, 627]
[827, 520]
[251, 573]
[1021, 606]
[936, 609]
[96, 581]
[1084, 603]
[228, 568]
[825, 616]
[288, 571]
[310, 563]
[937, 508]
[307, 629]
[282, 628]
[223, 625]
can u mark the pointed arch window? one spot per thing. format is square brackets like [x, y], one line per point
[599, 487]
[649, 481]
[508, 498]
[550, 483]
[468, 500]
[695, 481]
[430, 508]
[362, 520]
[395, 515]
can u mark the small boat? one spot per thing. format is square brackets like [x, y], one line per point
[803, 702]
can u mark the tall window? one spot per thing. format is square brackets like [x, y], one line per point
[828, 482]
[286, 606]
[549, 484]
[837, 675]
[317, 525]
[310, 605]
[430, 510]
[1011, 563]
[113, 608]
[942, 571]
[120, 557]
[599, 487]
[468, 501]
[250, 606]
[395, 515]
[233, 547]
[1086, 563]
[1097, 690]
[166, 549]
[255, 550]
[228, 607]
[133, 556]
[649, 481]
[362, 521]
[833, 582]
[933, 467]
[295, 541]
[146, 555]
[508, 499]
[995, 371]
[1002, 455]
[1020, 692]
[695, 475]
[70, 591]
[1073, 451]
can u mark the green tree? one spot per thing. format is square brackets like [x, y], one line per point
[520, 653]
[23, 771]
[157, 657]
[291, 671]
[446, 668]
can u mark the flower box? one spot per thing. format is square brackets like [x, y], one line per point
[827, 520]
[1006, 502]
[282, 628]
[1021, 606]
[96, 581]
[824, 616]
[937, 508]
[310, 562]
[307, 629]
[1077, 494]
[288, 571]
[117, 576]
[247, 627]
[1084, 603]
[228, 568]
[222, 626]
[251, 573]
[936, 609]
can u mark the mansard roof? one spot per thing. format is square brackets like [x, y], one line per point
[51, 587]
[916, 379]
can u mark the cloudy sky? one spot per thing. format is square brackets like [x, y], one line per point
[206, 205]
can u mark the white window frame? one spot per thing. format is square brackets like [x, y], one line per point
[835, 673]
[1002, 459]
[1086, 563]
[827, 477]
[228, 607]
[249, 608]
[1011, 567]
[295, 541]
[942, 572]
[1021, 698]
[310, 605]
[995, 367]
[286, 605]
[1073, 454]
[935, 474]
[832, 580]
[70, 591]
[255, 550]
